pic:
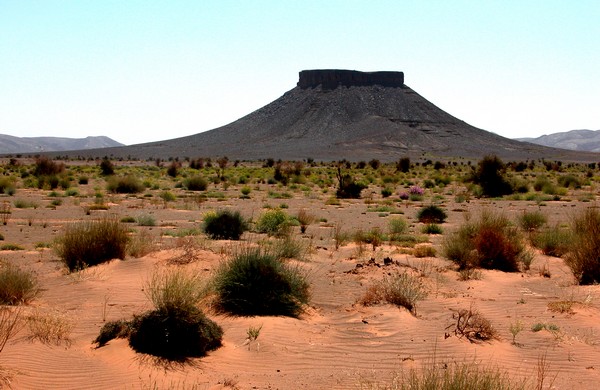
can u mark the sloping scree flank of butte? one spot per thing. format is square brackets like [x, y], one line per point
[344, 114]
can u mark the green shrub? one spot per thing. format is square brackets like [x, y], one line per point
[290, 248]
[397, 225]
[7, 186]
[16, 286]
[106, 167]
[571, 181]
[273, 222]
[11, 247]
[431, 214]
[432, 228]
[583, 256]
[175, 333]
[176, 329]
[254, 282]
[491, 242]
[92, 242]
[125, 185]
[128, 219]
[347, 187]
[490, 176]
[195, 183]
[146, 220]
[224, 225]
[552, 241]
[533, 220]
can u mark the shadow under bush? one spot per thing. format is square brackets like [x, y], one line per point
[224, 225]
[92, 242]
[254, 282]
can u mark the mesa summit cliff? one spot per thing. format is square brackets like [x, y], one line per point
[335, 114]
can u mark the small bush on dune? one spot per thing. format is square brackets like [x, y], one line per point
[400, 289]
[176, 329]
[431, 214]
[125, 185]
[491, 242]
[224, 225]
[254, 282]
[92, 242]
[583, 256]
[16, 286]
[175, 333]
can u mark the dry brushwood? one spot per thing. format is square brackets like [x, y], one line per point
[471, 324]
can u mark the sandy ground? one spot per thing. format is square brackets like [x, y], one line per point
[336, 344]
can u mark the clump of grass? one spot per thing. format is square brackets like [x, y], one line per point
[538, 326]
[146, 220]
[552, 241]
[141, 244]
[49, 328]
[454, 376]
[92, 242]
[17, 286]
[255, 282]
[431, 214]
[273, 222]
[400, 289]
[195, 183]
[11, 247]
[176, 329]
[492, 242]
[224, 225]
[532, 220]
[583, 256]
[125, 185]
[128, 219]
[397, 225]
[290, 248]
[424, 251]
[432, 228]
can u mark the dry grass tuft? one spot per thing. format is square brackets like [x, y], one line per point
[49, 328]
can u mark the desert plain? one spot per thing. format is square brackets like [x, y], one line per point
[546, 324]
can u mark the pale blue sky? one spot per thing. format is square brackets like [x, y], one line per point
[140, 71]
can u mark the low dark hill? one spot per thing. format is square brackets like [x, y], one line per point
[336, 114]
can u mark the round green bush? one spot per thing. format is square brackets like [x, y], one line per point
[257, 283]
[175, 333]
[224, 225]
[272, 222]
[195, 183]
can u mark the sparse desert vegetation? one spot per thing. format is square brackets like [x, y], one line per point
[357, 261]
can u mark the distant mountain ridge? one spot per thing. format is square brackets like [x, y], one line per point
[583, 140]
[12, 144]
